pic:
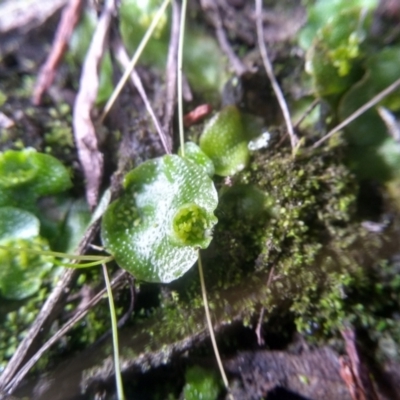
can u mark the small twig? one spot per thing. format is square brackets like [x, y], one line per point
[260, 339]
[375, 100]
[135, 58]
[269, 70]
[211, 8]
[84, 131]
[171, 72]
[355, 372]
[69, 19]
[122, 57]
[271, 276]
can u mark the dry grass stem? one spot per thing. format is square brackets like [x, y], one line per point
[270, 73]
[135, 58]
[122, 57]
[171, 72]
[69, 20]
[211, 8]
[84, 130]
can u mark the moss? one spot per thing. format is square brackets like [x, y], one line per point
[16, 318]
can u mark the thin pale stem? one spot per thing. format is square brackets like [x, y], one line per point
[270, 72]
[135, 58]
[123, 59]
[180, 62]
[84, 265]
[114, 329]
[210, 326]
[57, 254]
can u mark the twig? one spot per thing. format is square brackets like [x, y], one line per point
[260, 339]
[355, 373]
[211, 8]
[171, 72]
[69, 19]
[59, 334]
[271, 76]
[135, 58]
[122, 57]
[375, 100]
[84, 131]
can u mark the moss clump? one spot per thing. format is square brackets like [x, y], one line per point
[321, 258]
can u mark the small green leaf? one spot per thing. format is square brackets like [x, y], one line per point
[27, 175]
[52, 177]
[21, 273]
[334, 59]
[16, 168]
[246, 203]
[195, 154]
[322, 11]
[165, 214]
[16, 223]
[224, 141]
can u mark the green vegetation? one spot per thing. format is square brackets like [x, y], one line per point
[166, 213]
[224, 141]
[21, 271]
[280, 232]
[25, 176]
[200, 384]
[27, 232]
